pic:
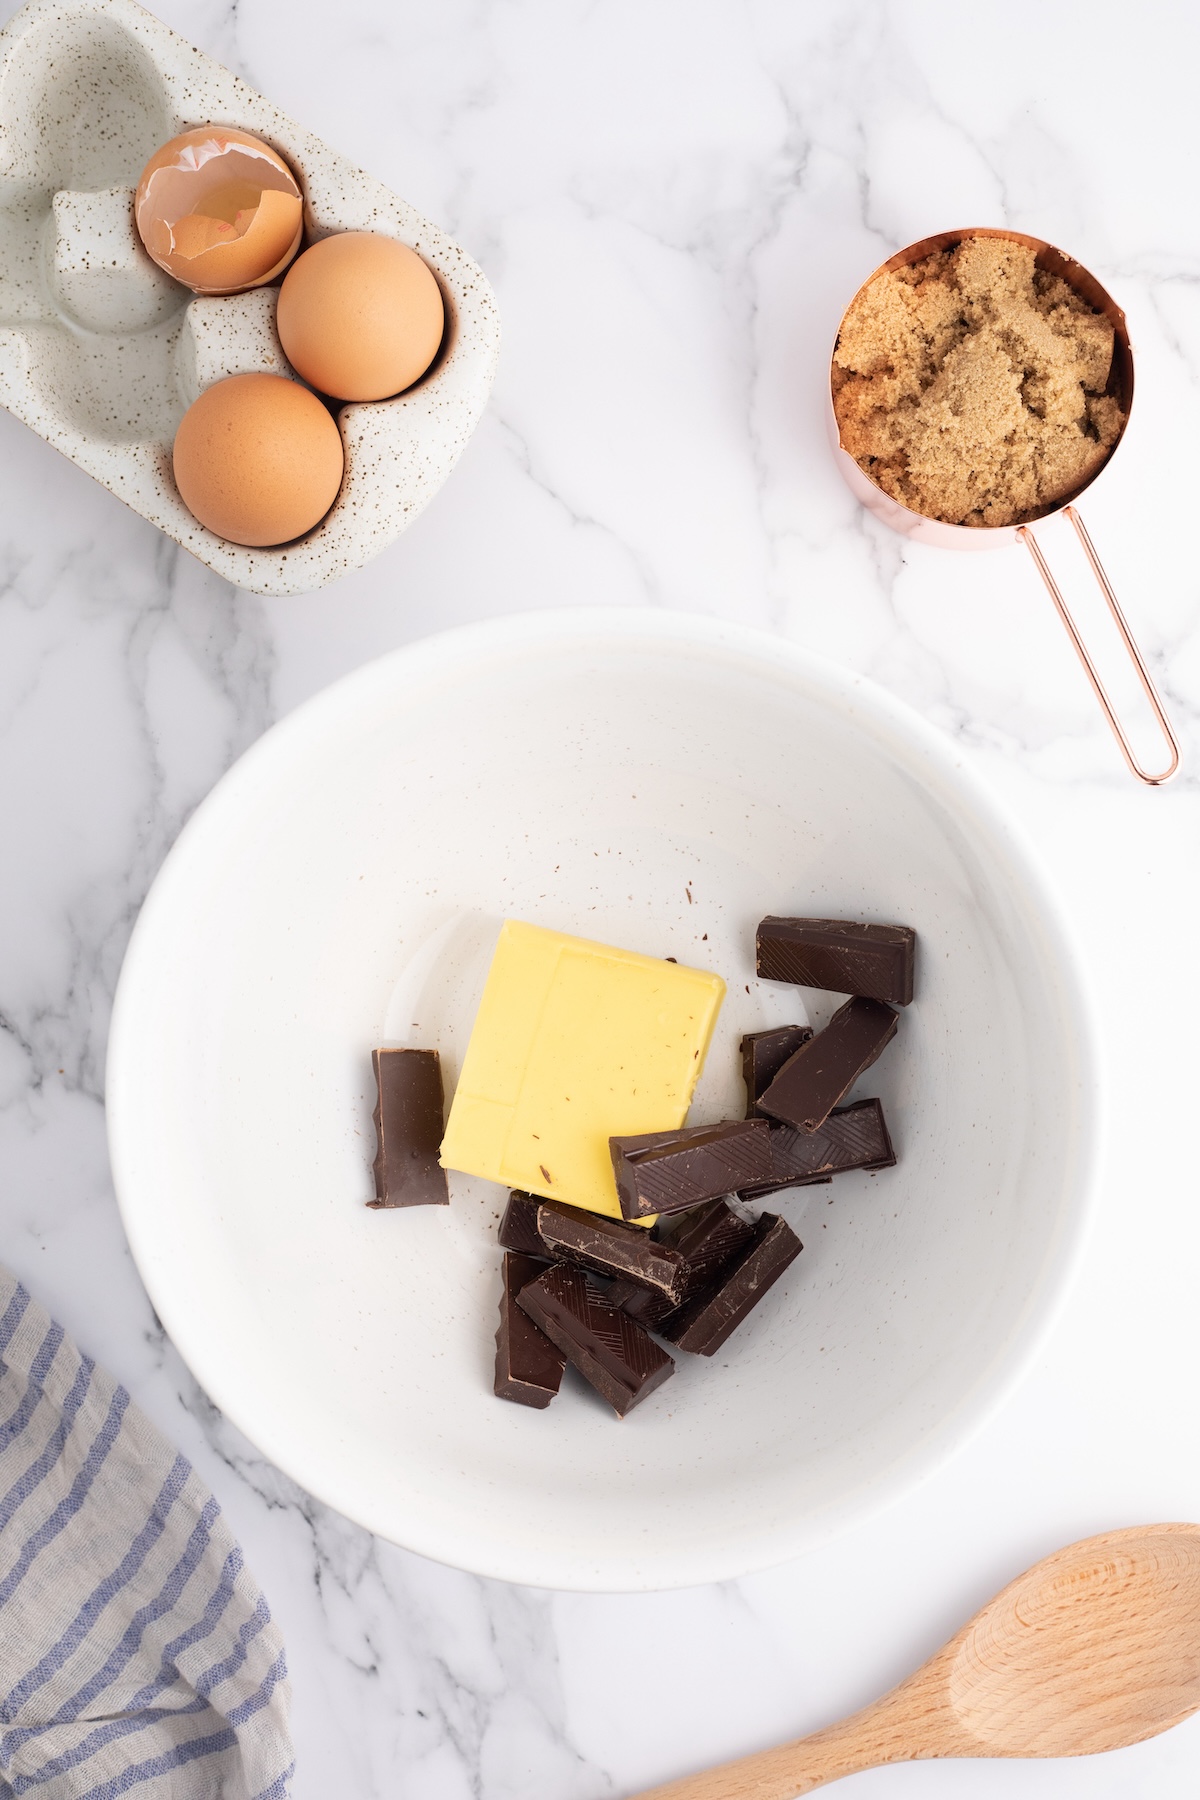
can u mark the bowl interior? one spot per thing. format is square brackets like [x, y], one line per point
[657, 785]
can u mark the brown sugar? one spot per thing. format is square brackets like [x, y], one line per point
[971, 385]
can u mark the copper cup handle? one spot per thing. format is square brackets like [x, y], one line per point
[1081, 649]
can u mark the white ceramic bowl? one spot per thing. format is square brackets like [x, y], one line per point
[656, 781]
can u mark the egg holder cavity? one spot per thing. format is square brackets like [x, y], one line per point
[101, 353]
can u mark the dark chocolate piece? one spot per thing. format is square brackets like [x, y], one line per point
[610, 1247]
[529, 1368]
[672, 1171]
[853, 1137]
[609, 1349]
[823, 1071]
[409, 1123]
[568, 1234]
[707, 1240]
[711, 1318]
[841, 955]
[519, 1226]
[764, 1054]
[640, 1303]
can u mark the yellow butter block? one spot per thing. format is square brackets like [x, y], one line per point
[575, 1043]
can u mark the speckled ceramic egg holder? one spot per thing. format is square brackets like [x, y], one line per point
[101, 353]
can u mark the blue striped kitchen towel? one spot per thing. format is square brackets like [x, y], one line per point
[137, 1655]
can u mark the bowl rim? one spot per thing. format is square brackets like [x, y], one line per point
[940, 766]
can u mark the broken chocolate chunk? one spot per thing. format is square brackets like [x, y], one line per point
[706, 1240]
[529, 1368]
[841, 955]
[673, 1171]
[519, 1226]
[640, 1303]
[610, 1247]
[853, 1137]
[710, 1319]
[764, 1054]
[408, 1129]
[568, 1234]
[822, 1072]
[610, 1350]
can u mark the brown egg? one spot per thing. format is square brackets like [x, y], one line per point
[360, 316]
[218, 210]
[258, 459]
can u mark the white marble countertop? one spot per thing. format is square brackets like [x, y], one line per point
[673, 201]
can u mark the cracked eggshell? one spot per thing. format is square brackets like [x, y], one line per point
[219, 210]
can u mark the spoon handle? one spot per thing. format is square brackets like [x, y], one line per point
[895, 1729]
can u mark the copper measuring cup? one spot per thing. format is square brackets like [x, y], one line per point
[988, 537]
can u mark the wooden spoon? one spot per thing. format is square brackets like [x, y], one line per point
[1096, 1647]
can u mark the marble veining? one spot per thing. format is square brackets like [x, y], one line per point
[673, 204]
